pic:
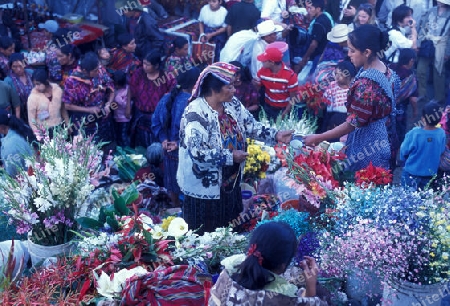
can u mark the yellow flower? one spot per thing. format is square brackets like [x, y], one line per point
[166, 222]
[432, 254]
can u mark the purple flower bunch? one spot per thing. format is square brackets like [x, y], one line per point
[59, 218]
[308, 245]
[375, 230]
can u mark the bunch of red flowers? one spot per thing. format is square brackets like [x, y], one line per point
[318, 164]
[373, 175]
[312, 95]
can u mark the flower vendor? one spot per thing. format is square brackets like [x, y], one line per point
[254, 278]
[369, 104]
[212, 151]
[16, 144]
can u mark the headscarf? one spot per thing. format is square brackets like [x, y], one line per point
[223, 71]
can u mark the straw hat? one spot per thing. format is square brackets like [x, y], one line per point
[268, 27]
[338, 34]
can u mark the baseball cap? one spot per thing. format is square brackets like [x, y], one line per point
[49, 25]
[271, 54]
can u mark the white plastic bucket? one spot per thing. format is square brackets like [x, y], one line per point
[39, 253]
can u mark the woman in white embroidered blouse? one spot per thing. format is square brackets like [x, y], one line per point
[212, 149]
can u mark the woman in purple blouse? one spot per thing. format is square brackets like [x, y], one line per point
[148, 85]
[88, 95]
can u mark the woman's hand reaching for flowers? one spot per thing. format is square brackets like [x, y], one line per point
[310, 271]
[284, 136]
[312, 140]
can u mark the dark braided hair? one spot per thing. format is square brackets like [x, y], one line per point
[185, 80]
[272, 247]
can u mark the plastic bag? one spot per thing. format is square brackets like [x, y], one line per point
[304, 75]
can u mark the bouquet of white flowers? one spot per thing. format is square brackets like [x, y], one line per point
[302, 126]
[47, 197]
[210, 248]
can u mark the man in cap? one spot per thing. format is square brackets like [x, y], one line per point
[280, 83]
[267, 34]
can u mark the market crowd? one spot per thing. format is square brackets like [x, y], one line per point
[370, 60]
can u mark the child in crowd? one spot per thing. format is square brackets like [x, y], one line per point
[122, 110]
[422, 149]
[246, 92]
[104, 57]
[178, 60]
[336, 95]
[280, 84]
[212, 25]
[255, 276]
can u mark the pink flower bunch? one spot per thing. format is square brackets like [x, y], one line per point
[366, 247]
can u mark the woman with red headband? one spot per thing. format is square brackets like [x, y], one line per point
[254, 278]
